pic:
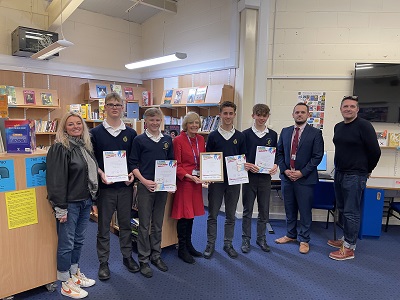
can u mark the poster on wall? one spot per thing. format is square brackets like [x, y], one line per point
[316, 103]
[7, 175]
[35, 168]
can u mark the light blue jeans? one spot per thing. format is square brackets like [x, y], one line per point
[71, 236]
[348, 191]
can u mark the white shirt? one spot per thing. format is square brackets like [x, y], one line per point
[259, 133]
[226, 134]
[155, 138]
[114, 131]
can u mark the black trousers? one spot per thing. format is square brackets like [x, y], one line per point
[110, 200]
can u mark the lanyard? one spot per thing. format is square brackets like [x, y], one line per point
[198, 151]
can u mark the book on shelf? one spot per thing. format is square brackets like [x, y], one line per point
[382, 137]
[9, 90]
[168, 96]
[116, 88]
[42, 126]
[3, 106]
[146, 98]
[191, 95]
[132, 110]
[101, 91]
[47, 98]
[102, 113]
[200, 94]
[20, 136]
[128, 91]
[178, 96]
[172, 130]
[29, 97]
[394, 139]
[86, 111]
[75, 108]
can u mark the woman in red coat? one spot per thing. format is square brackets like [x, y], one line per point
[188, 200]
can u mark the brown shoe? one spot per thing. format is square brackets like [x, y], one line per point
[342, 254]
[335, 243]
[304, 248]
[284, 240]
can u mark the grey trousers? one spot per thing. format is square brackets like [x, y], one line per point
[217, 192]
[151, 208]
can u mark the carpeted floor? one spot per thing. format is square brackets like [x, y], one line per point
[283, 273]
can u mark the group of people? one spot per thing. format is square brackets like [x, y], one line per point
[76, 183]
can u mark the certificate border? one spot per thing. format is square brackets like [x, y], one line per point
[221, 165]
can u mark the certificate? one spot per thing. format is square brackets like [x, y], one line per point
[211, 166]
[115, 166]
[237, 174]
[165, 176]
[265, 158]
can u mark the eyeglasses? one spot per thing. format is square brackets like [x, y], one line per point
[355, 98]
[111, 105]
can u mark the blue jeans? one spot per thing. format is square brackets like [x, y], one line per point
[71, 234]
[348, 191]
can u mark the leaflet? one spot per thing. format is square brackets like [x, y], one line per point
[115, 166]
[265, 158]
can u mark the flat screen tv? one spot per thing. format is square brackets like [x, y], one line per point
[377, 86]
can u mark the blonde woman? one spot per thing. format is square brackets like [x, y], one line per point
[72, 184]
[188, 200]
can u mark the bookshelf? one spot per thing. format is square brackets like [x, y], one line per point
[39, 111]
[206, 105]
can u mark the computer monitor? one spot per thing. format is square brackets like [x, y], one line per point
[323, 164]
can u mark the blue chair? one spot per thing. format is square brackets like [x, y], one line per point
[393, 211]
[324, 198]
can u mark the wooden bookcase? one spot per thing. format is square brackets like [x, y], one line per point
[37, 111]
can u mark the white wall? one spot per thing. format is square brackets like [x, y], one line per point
[314, 44]
[203, 29]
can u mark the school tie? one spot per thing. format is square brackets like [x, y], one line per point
[295, 143]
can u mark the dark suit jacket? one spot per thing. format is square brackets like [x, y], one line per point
[309, 153]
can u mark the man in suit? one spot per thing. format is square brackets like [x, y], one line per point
[300, 150]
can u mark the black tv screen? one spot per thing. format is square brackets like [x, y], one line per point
[377, 86]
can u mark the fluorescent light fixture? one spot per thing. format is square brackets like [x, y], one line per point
[52, 49]
[156, 61]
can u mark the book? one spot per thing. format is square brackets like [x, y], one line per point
[382, 138]
[200, 94]
[128, 91]
[47, 98]
[178, 96]
[3, 90]
[168, 96]
[394, 139]
[116, 88]
[102, 104]
[76, 108]
[29, 97]
[101, 91]
[20, 136]
[132, 110]
[172, 130]
[3, 106]
[12, 97]
[146, 98]
[191, 95]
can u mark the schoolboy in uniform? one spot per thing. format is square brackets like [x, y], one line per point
[231, 142]
[148, 147]
[259, 183]
[113, 135]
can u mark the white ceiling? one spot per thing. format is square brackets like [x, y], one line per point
[137, 11]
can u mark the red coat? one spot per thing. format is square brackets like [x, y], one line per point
[188, 199]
